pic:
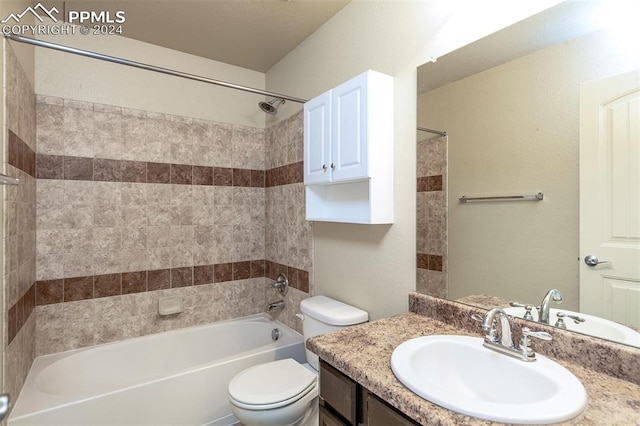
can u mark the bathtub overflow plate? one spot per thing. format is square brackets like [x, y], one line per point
[275, 334]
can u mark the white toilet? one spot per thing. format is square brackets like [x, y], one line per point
[281, 393]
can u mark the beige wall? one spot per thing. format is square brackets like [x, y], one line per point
[373, 267]
[83, 79]
[514, 129]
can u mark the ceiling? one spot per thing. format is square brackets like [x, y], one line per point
[253, 34]
[563, 22]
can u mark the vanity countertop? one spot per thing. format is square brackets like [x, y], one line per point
[367, 360]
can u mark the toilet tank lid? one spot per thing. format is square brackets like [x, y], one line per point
[332, 312]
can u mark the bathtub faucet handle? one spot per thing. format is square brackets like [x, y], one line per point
[282, 284]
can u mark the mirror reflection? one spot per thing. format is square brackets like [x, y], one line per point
[550, 105]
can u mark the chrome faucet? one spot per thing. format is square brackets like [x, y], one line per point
[275, 305]
[504, 344]
[488, 325]
[543, 313]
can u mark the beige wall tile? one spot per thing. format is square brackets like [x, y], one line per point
[106, 193]
[48, 266]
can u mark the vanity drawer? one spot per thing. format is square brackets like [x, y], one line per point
[339, 392]
[380, 413]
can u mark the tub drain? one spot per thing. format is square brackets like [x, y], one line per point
[275, 334]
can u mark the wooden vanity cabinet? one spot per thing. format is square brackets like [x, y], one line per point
[343, 402]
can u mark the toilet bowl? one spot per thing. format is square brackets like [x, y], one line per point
[275, 393]
[283, 392]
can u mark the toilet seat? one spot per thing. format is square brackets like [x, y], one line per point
[271, 385]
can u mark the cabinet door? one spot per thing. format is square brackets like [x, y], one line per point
[381, 414]
[349, 130]
[326, 418]
[339, 392]
[317, 139]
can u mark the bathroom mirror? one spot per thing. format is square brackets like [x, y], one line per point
[510, 107]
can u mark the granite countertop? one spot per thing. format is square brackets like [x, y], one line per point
[367, 360]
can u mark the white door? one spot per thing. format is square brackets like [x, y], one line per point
[317, 139]
[610, 198]
[349, 141]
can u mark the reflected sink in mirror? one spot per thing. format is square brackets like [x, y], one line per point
[458, 373]
[592, 325]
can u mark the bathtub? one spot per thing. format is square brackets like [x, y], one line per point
[174, 378]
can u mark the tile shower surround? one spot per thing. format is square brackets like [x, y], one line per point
[19, 230]
[431, 218]
[72, 170]
[288, 235]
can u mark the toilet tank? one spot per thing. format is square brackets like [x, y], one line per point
[322, 314]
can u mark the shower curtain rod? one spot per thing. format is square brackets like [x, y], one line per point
[437, 132]
[116, 60]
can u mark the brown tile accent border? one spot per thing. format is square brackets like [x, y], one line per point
[432, 262]
[20, 312]
[50, 166]
[158, 173]
[285, 175]
[20, 155]
[430, 183]
[222, 176]
[133, 282]
[92, 287]
[106, 285]
[62, 167]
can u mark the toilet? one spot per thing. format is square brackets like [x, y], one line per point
[281, 393]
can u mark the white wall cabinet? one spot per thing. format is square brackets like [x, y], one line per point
[348, 152]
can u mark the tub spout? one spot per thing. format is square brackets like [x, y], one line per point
[275, 305]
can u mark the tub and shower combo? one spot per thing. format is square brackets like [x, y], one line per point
[176, 377]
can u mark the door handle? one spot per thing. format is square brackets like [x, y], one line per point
[4, 405]
[592, 260]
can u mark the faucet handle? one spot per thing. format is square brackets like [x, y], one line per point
[525, 344]
[527, 308]
[281, 284]
[560, 322]
[542, 335]
[477, 318]
[492, 334]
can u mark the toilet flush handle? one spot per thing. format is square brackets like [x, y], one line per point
[300, 316]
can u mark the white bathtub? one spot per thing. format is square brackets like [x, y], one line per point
[175, 378]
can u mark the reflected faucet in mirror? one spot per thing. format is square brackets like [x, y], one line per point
[543, 309]
[554, 295]
[584, 323]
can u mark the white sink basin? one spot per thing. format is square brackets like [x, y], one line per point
[593, 326]
[458, 373]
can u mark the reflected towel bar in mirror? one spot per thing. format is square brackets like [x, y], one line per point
[533, 197]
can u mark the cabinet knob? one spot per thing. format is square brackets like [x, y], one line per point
[324, 167]
[333, 166]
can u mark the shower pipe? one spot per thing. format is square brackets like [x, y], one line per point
[121, 61]
[437, 132]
